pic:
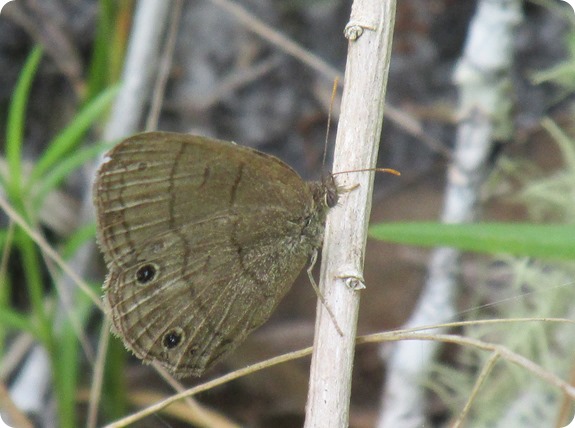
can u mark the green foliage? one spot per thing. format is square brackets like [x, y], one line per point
[547, 198]
[538, 284]
[534, 262]
[26, 188]
[560, 74]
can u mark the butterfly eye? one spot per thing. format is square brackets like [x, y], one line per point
[146, 274]
[172, 338]
[331, 198]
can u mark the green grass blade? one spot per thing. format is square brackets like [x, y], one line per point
[70, 137]
[67, 362]
[99, 70]
[63, 168]
[532, 240]
[563, 141]
[15, 123]
[9, 318]
[80, 236]
[33, 276]
[114, 402]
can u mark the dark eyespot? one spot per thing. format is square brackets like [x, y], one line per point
[146, 274]
[172, 339]
[142, 166]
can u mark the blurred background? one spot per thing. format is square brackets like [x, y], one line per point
[61, 64]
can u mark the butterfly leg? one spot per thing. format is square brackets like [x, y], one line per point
[312, 262]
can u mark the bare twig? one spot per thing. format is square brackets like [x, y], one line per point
[356, 148]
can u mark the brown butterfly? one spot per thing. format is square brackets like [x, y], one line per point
[202, 239]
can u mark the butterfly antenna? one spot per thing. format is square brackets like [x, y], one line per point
[333, 92]
[388, 170]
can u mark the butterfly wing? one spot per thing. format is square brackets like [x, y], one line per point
[202, 239]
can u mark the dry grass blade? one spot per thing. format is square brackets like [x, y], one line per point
[487, 368]
[501, 351]
[49, 251]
